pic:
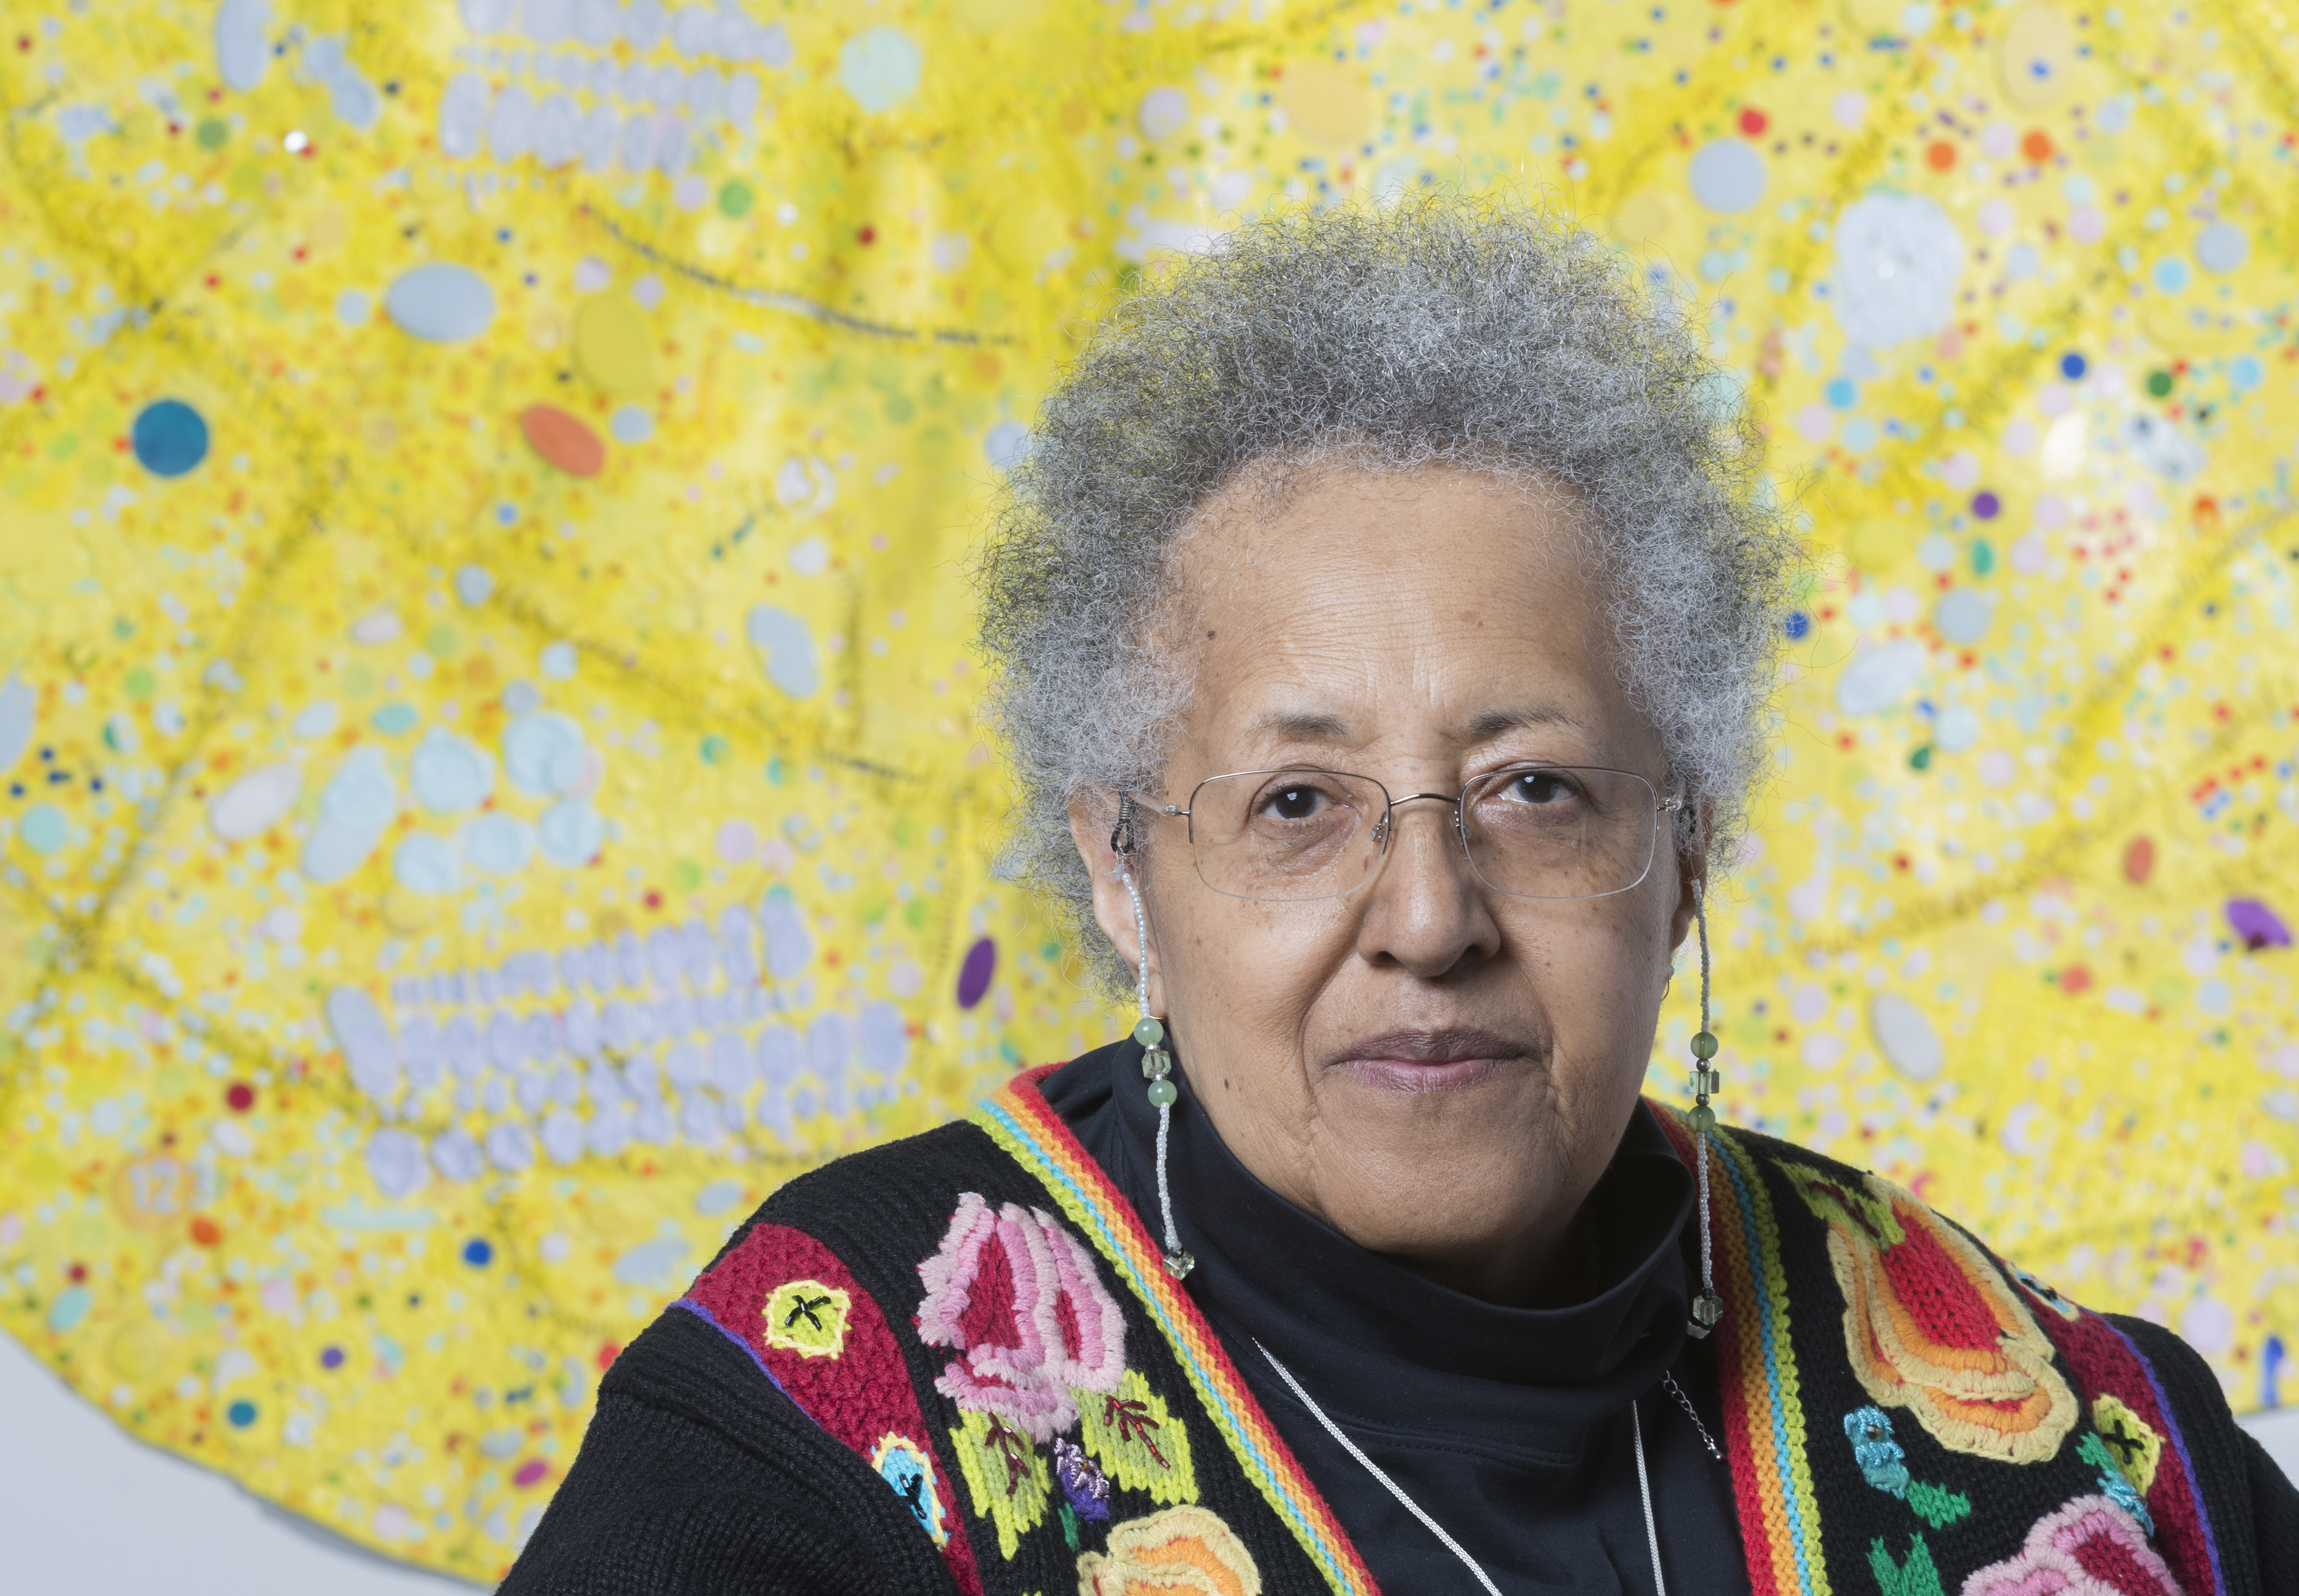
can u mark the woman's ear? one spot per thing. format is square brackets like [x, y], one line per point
[1093, 816]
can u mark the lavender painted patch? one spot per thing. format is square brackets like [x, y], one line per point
[973, 975]
[2259, 926]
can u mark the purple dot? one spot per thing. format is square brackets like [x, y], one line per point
[1985, 505]
[331, 1357]
[973, 975]
[2259, 926]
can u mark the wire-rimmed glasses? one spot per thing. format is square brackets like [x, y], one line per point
[1529, 831]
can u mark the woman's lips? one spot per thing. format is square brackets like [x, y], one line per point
[1429, 1061]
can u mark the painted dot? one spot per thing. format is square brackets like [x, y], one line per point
[353, 308]
[1728, 175]
[715, 750]
[239, 1097]
[1986, 505]
[394, 718]
[736, 198]
[240, 1413]
[2139, 860]
[2072, 365]
[331, 1357]
[563, 440]
[631, 423]
[2037, 146]
[170, 437]
[1798, 626]
[206, 1232]
[2222, 247]
[2245, 373]
[44, 828]
[212, 132]
[1941, 154]
[479, 1252]
[973, 975]
[2159, 383]
[1753, 122]
[880, 68]
[2170, 274]
[531, 1473]
[1841, 393]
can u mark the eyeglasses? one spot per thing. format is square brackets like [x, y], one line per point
[1529, 831]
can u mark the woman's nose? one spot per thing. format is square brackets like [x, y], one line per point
[1428, 910]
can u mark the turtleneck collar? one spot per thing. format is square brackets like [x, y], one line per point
[1378, 1344]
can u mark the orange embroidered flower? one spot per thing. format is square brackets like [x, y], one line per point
[1180, 1552]
[1931, 1326]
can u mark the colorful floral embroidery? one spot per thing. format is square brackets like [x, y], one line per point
[809, 1317]
[1141, 1445]
[1086, 1487]
[1882, 1462]
[2135, 1442]
[1173, 1551]
[2117, 1490]
[1005, 1475]
[1931, 1325]
[2048, 1297]
[1919, 1575]
[905, 1465]
[1020, 1298]
[2088, 1547]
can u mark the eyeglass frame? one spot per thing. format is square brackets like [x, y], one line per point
[1123, 842]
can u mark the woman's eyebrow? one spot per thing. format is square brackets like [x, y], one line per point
[1492, 723]
[1313, 726]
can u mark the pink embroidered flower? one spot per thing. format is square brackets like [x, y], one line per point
[1019, 1298]
[2088, 1547]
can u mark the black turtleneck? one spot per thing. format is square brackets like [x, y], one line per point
[1509, 1426]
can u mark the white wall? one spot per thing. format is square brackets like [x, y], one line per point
[87, 1512]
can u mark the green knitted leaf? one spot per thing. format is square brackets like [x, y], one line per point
[1937, 1505]
[1915, 1577]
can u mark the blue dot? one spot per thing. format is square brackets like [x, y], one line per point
[2245, 373]
[1798, 626]
[1841, 393]
[331, 1357]
[242, 1413]
[2170, 274]
[2074, 365]
[479, 1252]
[169, 438]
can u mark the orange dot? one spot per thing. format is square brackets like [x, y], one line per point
[206, 1232]
[2037, 146]
[1941, 155]
[563, 439]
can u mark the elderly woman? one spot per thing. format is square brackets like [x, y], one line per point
[1386, 619]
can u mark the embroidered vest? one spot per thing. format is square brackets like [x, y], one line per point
[981, 1316]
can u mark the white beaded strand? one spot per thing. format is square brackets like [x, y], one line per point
[1150, 1032]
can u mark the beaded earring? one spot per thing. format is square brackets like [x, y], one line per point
[1707, 1307]
[1157, 1059]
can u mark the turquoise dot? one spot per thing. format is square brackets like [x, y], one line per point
[1841, 393]
[44, 828]
[70, 1308]
[240, 1413]
[2245, 373]
[169, 438]
[2170, 274]
[394, 718]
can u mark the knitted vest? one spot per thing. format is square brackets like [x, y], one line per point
[979, 1315]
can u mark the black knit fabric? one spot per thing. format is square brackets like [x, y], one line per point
[697, 1479]
[700, 1476]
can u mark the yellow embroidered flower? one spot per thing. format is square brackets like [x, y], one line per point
[2130, 1439]
[1178, 1551]
[1931, 1326]
[1137, 1441]
[809, 1317]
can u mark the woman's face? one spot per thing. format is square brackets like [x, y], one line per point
[1438, 1070]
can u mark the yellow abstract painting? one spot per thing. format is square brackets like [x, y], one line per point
[488, 782]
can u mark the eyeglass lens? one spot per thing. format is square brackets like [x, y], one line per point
[1533, 832]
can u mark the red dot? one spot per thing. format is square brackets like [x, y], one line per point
[239, 1097]
[866, 235]
[77, 1273]
[608, 1352]
[654, 899]
[1754, 121]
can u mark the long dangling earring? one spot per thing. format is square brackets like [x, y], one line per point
[1157, 1061]
[1707, 1307]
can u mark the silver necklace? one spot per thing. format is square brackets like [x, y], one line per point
[1636, 1430]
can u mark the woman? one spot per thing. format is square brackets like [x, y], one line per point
[1384, 620]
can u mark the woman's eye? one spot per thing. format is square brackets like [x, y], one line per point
[1541, 786]
[1295, 803]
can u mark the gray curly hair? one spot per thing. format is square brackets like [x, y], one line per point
[1445, 330]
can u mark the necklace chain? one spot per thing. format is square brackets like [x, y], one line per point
[1636, 1429]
